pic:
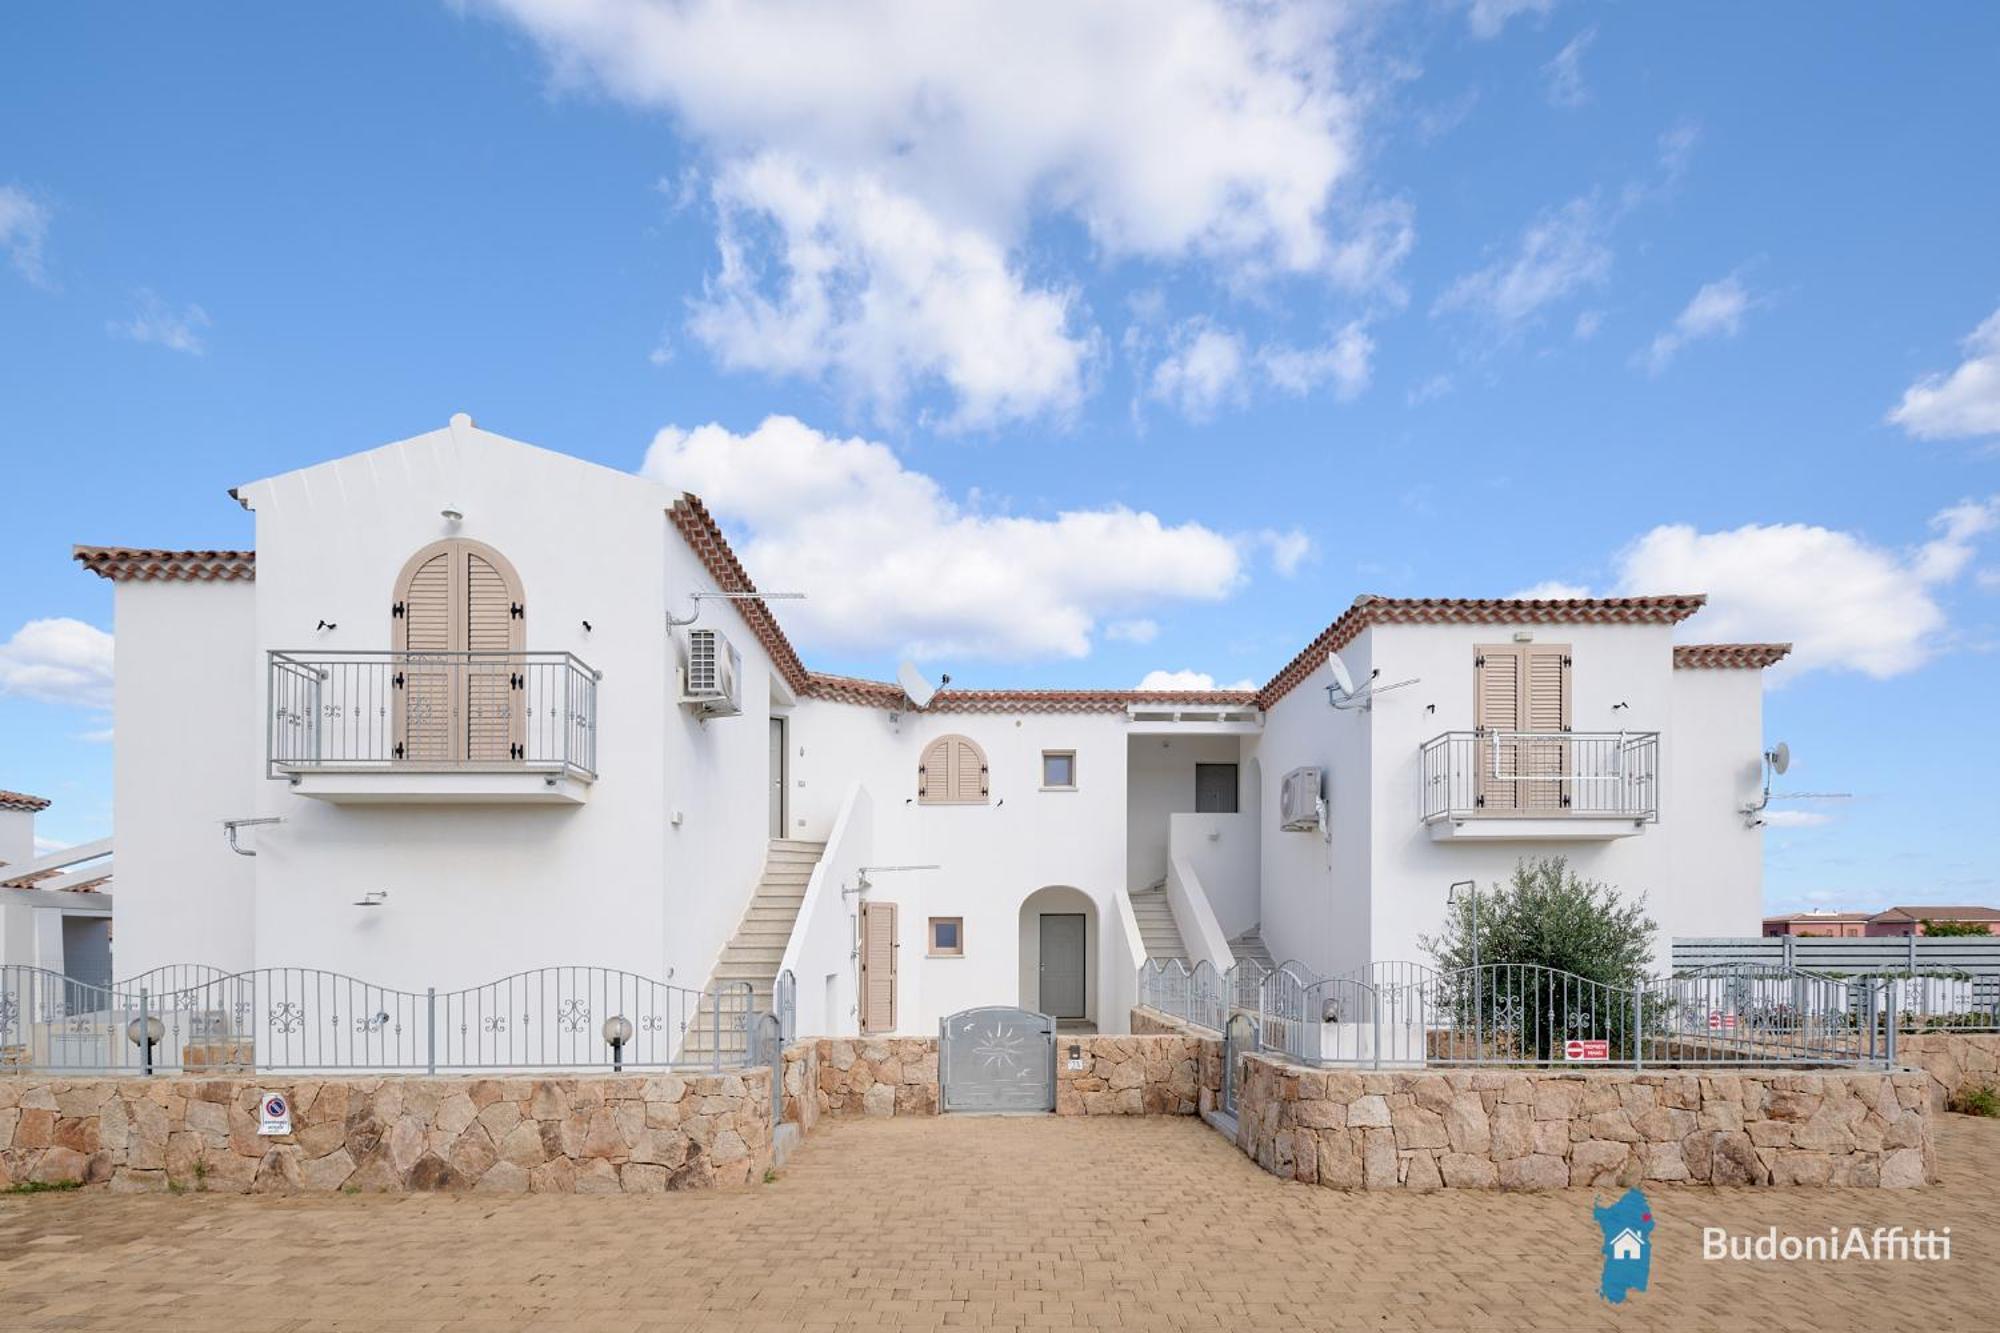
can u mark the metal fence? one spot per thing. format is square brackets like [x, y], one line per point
[370, 710]
[1406, 1015]
[1552, 773]
[301, 1019]
[785, 1000]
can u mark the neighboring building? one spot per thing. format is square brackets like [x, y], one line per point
[1912, 920]
[1839, 925]
[55, 909]
[449, 669]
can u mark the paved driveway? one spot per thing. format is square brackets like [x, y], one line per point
[1154, 1224]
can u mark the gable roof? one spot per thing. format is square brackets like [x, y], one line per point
[1937, 914]
[132, 564]
[1747, 656]
[20, 800]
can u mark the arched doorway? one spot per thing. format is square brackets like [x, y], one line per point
[1059, 956]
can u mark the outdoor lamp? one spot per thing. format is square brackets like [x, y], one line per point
[617, 1031]
[145, 1033]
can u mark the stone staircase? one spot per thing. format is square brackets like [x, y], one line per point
[1157, 929]
[1250, 944]
[758, 946]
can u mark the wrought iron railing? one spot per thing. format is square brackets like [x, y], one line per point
[427, 711]
[1540, 774]
[785, 1001]
[1406, 1015]
[300, 1019]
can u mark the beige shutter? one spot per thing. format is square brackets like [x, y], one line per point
[423, 714]
[1544, 709]
[952, 772]
[968, 773]
[878, 967]
[1496, 708]
[934, 771]
[495, 681]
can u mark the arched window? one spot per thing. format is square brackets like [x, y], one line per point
[952, 772]
[458, 624]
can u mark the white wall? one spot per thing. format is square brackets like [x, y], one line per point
[820, 953]
[17, 837]
[1715, 768]
[1161, 783]
[190, 749]
[1223, 851]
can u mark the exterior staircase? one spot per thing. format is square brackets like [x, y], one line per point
[1157, 929]
[755, 950]
[1250, 944]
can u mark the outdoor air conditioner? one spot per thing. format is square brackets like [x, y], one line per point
[1299, 803]
[710, 680]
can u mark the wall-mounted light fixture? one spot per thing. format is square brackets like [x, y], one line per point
[452, 514]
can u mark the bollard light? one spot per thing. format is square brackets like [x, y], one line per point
[148, 1031]
[617, 1031]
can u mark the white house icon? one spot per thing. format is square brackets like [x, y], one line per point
[1627, 1244]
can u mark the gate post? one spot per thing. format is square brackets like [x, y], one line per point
[430, 1030]
[1639, 1023]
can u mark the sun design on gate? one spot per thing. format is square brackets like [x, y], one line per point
[1002, 1051]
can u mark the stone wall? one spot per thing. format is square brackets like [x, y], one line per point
[802, 1085]
[592, 1134]
[1954, 1062]
[1167, 1073]
[1545, 1129]
[1143, 1074]
[876, 1076]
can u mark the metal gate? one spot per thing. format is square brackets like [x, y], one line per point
[1239, 1037]
[767, 1048]
[997, 1060]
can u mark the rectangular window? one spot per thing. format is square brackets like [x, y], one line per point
[947, 937]
[1059, 770]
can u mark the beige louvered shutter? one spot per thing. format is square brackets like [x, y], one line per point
[1545, 711]
[968, 773]
[1496, 708]
[424, 709]
[934, 772]
[495, 680]
[878, 967]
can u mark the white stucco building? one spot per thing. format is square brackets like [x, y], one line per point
[447, 679]
[55, 906]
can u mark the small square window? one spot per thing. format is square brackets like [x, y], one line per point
[947, 937]
[1059, 770]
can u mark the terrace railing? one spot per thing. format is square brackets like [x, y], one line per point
[1540, 774]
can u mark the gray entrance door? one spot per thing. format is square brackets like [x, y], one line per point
[778, 777]
[997, 1060]
[1215, 789]
[1062, 965]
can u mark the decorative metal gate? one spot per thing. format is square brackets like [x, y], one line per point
[767, 1048]
[1239, 1036]
[997, 1060]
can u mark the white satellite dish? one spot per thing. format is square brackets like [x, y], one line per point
[912, 680]
[1780, 756]
[1341, 679]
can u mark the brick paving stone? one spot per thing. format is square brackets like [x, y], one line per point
[922, 1222]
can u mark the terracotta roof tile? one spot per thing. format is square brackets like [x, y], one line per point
[20, 800]
[703, 534]
[1368, 610]
[1937, 914]
[128, 564]
[1748, 656]
[883, 694]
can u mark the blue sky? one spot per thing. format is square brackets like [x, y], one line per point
[1064, 346]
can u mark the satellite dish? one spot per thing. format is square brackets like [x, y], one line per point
[1341, 679]
[912, 680]
[1781, 757]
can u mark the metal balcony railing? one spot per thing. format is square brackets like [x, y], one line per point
[1540, 775]
[422, 712]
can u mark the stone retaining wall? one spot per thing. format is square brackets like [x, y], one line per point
[1168, 1073]
[591, 1134]
[1954, 1062]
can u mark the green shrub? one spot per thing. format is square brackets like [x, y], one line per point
[1941, 928]
[43, 1186]
[1550, 916]
[1982, 1100]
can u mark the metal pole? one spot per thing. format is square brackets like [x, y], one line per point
[430, 1029]
[1639, 1024]
[1478, 991]
[1891, 1048]
[715, 1047]
[145, 1036]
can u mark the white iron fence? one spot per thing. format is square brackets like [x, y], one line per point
[194, 1018]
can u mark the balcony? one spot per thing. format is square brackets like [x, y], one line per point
[404, 728]
[1539, 785]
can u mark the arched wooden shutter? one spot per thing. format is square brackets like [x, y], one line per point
[952, 772]
[460, 685]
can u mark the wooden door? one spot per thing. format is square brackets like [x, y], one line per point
[878, 967]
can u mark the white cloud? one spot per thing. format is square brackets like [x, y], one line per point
[1289, 550]
[59, 661]
[1588, 322]
[156, 322]
[1843, 602]
[1205, 370]
[1562, 252]
[1140, 630]
[842, 278]
[1965, 402]
[1345, 361]
[1189, 680]
[1552, 590]
[1564, 73]
[1715, 311]
[24, 226]
[1488, 17]
[891, 564]
[1223, 134]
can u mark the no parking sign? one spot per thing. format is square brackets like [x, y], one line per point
[276, 1114]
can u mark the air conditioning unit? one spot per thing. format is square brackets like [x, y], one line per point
[1301, 806]
[711, 678]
